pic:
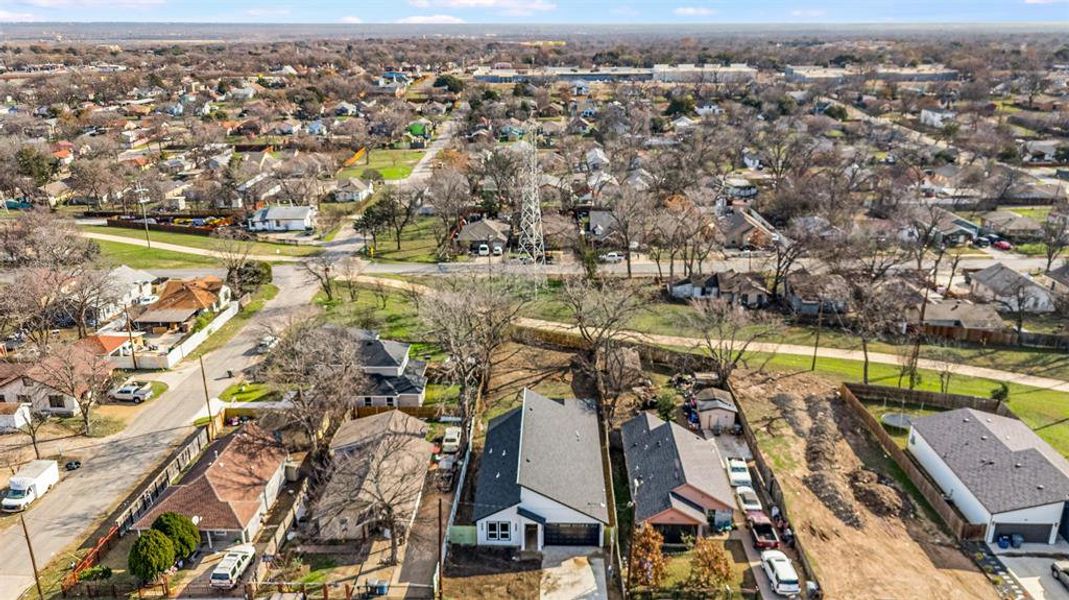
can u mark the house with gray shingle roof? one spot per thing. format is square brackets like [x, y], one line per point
[996, 471]
[393, 378]
[541, 479]
[1010, 290]
[677, 479]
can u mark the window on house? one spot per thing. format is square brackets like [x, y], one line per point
[3, 398]
[56, 401]
[389, 402]
[504, 531]
[491, 530]
[367, 401]
[22, 398]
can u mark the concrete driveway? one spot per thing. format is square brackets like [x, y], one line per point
[573, 573]
[1033, 572]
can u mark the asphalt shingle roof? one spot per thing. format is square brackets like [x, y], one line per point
[1000, 460]
[548, 446]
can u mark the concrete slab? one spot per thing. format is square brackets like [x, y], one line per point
[573, 573]
[1033, 572]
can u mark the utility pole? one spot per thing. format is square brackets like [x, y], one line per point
[207, 398]
[33, 559]
[130, 334]
[440, 583]
[144, 217]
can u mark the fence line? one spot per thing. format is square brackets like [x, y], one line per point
[961, 528]
[881, 393]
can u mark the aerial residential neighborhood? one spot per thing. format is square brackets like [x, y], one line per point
[534, 300]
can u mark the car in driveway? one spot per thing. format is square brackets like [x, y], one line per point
[132, 391]
[611, 257]
[781, 574]
[1059, 570]
[266, 343]
[738, 472]
[747, 499]
[1002, 245]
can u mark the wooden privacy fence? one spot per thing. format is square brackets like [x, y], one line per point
[420, 412]
[880, 393]
[955, 522]
[772, 486]
[651, 354]
[998, 338]
[187, 229]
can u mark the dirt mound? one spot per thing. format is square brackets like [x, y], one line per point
[879, 495]
[794, 412]
[836, 495]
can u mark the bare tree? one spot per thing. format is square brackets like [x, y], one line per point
[32, 429]
[601, 311]
[320, 270]
[1055, 237]
[351, 268]
[727, 331]
[320, 370]
[630, 214]
[232, 248]
[451, 195]
[87, 293]
[469, 318]
[78, 373]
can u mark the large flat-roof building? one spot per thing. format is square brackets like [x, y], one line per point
[682, 73]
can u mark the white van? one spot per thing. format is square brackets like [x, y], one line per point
[227, 574]
[780, 573]
[29, 484]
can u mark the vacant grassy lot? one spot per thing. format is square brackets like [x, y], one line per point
[138, 257]
[202, 242]
[397, 321]
[417, 243]
[1036, 213]
[233, 326]
[392, 164]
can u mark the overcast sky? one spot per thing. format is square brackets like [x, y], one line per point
[543, 11]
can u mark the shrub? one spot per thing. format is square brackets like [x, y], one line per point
[372, 175]
[151, 555]
[96, 573]
[178, 528]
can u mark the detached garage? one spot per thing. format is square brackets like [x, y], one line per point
[997, 472]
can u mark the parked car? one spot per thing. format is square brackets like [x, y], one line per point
[483, 250]
[611, 257]
[739, 473]
[73, 465]
[498, 251]
[1002, 245]
[266, 343]
[781, 573]
[227, 574]
[451, 441]
[763, 531]
[1059, 570]
[132, 391]
[30, 483]
[747, 499]
[981, 242]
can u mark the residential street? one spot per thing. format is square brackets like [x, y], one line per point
[115, 465]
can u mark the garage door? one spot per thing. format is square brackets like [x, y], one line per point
[1033, 532]
[571, 534]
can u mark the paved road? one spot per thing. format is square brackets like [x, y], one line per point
[424, 167]
[117, 464]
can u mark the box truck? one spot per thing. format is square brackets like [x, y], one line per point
[29, 484]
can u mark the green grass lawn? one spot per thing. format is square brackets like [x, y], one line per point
[397, 321]
[203, 242]
[392, 164]
[1036, 213]
[233, 326]
[1035, 249]
[677, 568]
[1043, 410]
[417, 243]
[138, 257]
[248, 392]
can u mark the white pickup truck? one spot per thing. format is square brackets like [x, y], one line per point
[29, 484]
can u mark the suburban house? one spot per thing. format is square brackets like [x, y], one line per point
[353, 190]
[1059, 278]
[283, 218]
[13, 416]
[1012, 226]
[996, 471]
[495, 234]
[385, 453]
[131, 286]
[108, 346]
[47, 385]
[182, 301]
[230, 490]
[1010, 290]
[715, 408]
[541, 479]
[394, 379]
[961, 314]
[744, 228]
[744, 289]
[676, 478]
[813, 294]
[937, 118]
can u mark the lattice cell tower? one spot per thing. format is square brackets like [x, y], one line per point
[532, 244]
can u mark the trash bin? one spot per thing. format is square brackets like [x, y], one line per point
[1003, 542]
[1016, 540]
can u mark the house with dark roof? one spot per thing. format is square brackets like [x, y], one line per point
[1010, 290]
[996, 471]
[813, 293]
[541, 478]
[394, 379]
[494, 234]
[374, 460]
[677, 480]
[744, 289]
[1059, 278]
[230, 490]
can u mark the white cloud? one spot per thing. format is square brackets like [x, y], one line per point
[267, 12]
[694, 11]
[9, 16]
[93, 3]
[351, 19]
[431, 19]
[504, 7]
[810, 13]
